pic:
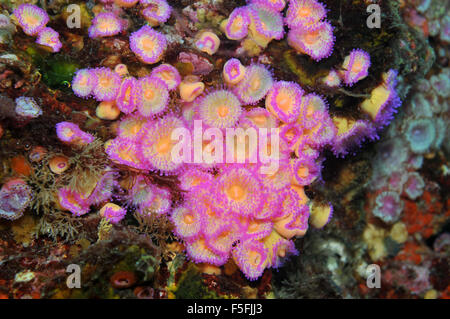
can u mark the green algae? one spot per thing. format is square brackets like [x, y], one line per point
[57, 70]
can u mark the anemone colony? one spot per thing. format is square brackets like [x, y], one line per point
[228, 210]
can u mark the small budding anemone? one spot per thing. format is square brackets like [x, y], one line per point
[187, 222]
[241, 190]
[233, 71]
[157, 144]
[304, 13]
[305, 171]
[148, 44]
[105, 24]
[31, 18]
[252, 258]
[255, 85]
[355, 66]
[291, 133]
[156, 11]
[236, 27]
[284, 100]
[113, 213]
[332, 80]
[107, 84]
[154, 96]
[168, 74]
[49, 38]
[72, 134]
[83, 82]
[128, 95]
[316, 41]
[220, 109]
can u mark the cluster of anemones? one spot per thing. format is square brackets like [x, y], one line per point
[148, 45]
[149, 95]
[259, 21]
[230, 210]
[33, 21]
[379, 108]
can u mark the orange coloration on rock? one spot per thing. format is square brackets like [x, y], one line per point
[20, 165]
